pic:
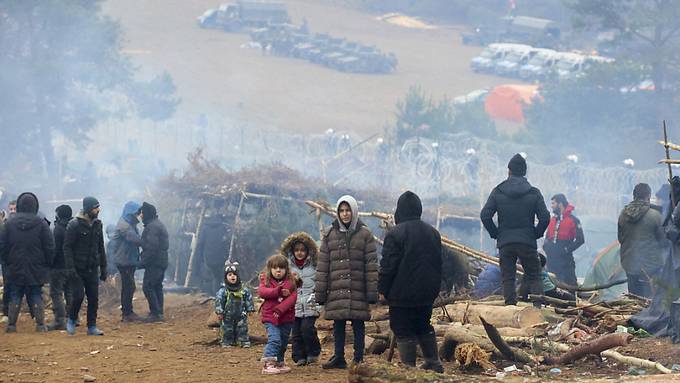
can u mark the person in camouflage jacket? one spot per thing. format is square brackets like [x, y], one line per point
[233, 302]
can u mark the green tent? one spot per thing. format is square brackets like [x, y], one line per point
[607, 268]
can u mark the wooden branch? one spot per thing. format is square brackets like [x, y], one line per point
[595, 347]
[670, 145]
[512, 354]
[637, 362]
[393, 343]
[553, 301]
[607, 285]
[194, 245]
[234, 229]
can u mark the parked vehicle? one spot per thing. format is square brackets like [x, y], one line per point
[538, 66]
[493, 53]
[510, 64]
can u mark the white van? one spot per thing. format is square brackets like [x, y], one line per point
[493, 53]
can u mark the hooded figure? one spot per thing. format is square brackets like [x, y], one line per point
[233, 302]
[27, 253]
[410, 278]
[518, 205]
[60, 277]
[347, 278]
[155, 246]
[306, 346]
[124, 245]
[642, 238]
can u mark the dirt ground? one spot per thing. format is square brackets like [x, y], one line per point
[215, 76]
[184, 349]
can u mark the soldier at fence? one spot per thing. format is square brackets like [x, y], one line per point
[563, 237]
[517, 204]
[642, 238]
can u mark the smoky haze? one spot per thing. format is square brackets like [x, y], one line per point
[106, 97]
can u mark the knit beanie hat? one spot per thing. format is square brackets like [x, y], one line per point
[518, 165]
[64, 212]
[232, 268]
[90, 203]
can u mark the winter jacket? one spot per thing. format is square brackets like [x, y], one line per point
[155, 242]
[84, 244]
[564, 234]
[274, 301]
[411, 265]
[126, 240]
[641, 235]
[489, 282]
[306, 305]
[347, 269]
[26, 245]
[517, 204]
[59, 232]
[234, 304]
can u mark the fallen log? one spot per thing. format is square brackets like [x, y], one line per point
[440, 330]
[385, 373]
[550, 300]
[499, 316]
[458, 334]
[594, 347]
[513, 354]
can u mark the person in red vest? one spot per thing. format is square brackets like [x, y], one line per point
[563, 237]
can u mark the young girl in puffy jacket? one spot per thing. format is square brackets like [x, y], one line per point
[301, 251]
[278, 289]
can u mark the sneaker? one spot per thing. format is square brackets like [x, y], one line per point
[11, 328]
[301, 362]
[312, 359]
[334, 362]
[153, 318]
[282, 367]
[56, 325]
[4, 319]
[270, 369]
[71, 327]
[93, 330]
[245, 344]
[225, 345]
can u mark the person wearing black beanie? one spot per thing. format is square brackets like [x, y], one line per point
[60, 277]
[517, 204]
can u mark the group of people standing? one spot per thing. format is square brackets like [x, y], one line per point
[71, 258]
[342, 278]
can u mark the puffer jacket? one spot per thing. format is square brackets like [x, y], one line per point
[84, 244]
[347, 270]
[155, 242]
[26, 245]
[274, 301]
[642, 238]
[306, 305]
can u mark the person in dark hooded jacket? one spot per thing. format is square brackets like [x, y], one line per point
[60, 277]
[27, 251]
[409, 279]
[517, 204]
[125, 244]
[642, 238]
[85, 256]
[154, 260]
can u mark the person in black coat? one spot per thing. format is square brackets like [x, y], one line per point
[517, 204]
[154, 260]
[27, 251]
[410, 279]
[85, 257]
[60, 276]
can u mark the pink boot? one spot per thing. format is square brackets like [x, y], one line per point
[282, 367]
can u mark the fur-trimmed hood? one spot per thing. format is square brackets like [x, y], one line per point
[286, 248]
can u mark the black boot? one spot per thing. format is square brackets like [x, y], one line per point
[335, 362]
[428, 344]
[407, 351]
[13, 316]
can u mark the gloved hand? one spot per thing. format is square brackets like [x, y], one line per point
[102, 276]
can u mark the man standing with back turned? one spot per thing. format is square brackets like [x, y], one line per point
[517, 204]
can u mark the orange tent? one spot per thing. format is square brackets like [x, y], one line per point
[505, 102]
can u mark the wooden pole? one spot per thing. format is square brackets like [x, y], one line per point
[194, 244]
[670, 169]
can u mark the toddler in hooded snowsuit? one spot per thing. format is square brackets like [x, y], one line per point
[233, 302]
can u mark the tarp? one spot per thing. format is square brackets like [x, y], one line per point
[607, 268]
[506, 102]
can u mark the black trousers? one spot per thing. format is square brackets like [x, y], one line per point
[86, 282]
[410, 322]
[153, 288]
[528, 256]
[304, 339]
[60, 292]
[563, 266]
[359, 330]
[128, 287]
[5, 295]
